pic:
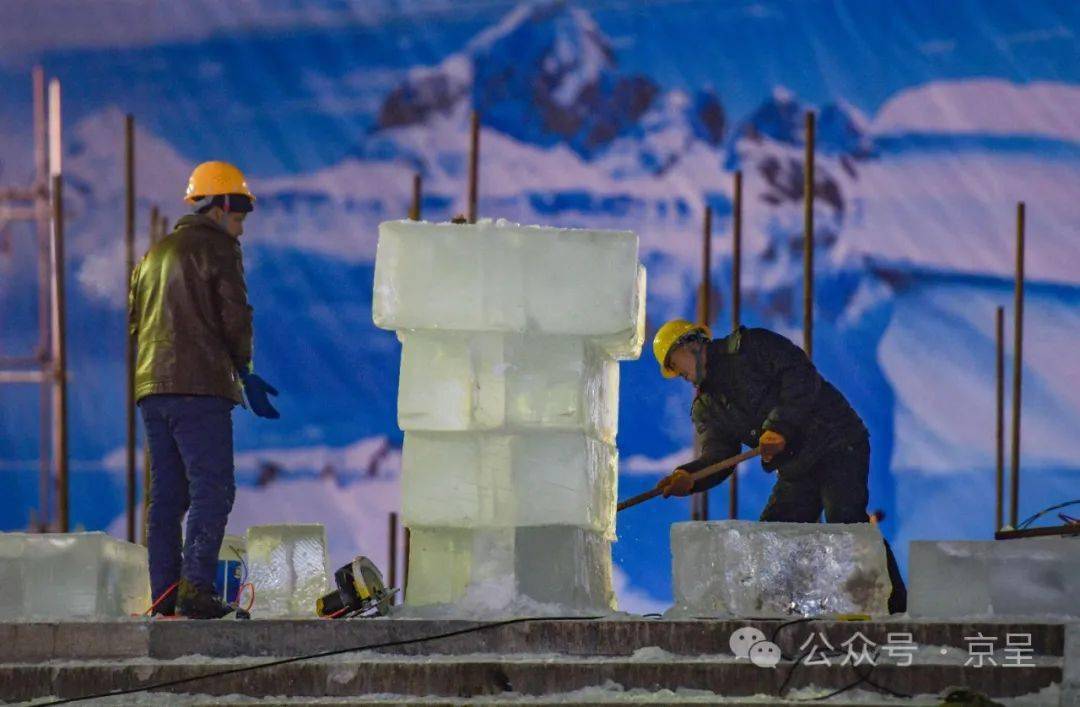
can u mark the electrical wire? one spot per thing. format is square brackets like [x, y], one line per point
[163, 597]
[243, 563]
[251, 602]
[1044, 511]
[312, 656]
[243, 580]
[797, 661]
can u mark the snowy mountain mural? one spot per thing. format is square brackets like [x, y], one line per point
[590, 117]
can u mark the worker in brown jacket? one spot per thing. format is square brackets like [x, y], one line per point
[189, 312]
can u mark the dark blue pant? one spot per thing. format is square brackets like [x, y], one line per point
[191, 470]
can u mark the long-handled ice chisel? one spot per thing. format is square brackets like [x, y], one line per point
[696, 476]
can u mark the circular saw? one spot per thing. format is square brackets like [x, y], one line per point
[360, 592]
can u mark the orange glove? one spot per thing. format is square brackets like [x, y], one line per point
[678, 483]
[771, 443]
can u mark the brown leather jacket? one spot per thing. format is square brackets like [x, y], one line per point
[189, 312]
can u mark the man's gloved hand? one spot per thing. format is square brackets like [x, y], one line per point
[258, 393]
[678, 483]
[771, 443]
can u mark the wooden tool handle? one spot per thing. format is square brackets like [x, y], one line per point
[696, 476]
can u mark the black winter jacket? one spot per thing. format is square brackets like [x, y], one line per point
[757, 380]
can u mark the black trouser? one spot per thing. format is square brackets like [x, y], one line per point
[837, 484]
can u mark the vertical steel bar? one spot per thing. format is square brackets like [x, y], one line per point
[999, 417]
[405, 581]
[60, 397]
[808, 239]
[704, 292]
[414, 208]
[59, 313]
[42, 215]
[129, 339]
[393, 539]
[56, 145]
[736, 313]
[1018, 363]
[699, 503]
[474, 163]
[154, 232]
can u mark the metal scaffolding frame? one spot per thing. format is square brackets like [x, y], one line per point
[42, 203]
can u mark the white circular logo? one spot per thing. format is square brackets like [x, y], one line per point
[765, 654]
[743, 639]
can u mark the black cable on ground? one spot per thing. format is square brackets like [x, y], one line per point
[311, 656]
[798, 660]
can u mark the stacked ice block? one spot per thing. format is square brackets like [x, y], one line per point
[509, 401]
[288, 568]
[71, 576]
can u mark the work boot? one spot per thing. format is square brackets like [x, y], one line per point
[196, 602]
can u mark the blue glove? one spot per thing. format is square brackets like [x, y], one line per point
[258, 392]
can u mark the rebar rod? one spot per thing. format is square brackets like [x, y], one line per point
[808, 239]
[736, 311]
[1018, 364]
[129, 338]
[474, 165]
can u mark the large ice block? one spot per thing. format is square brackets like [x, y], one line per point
[466, 381]
[495, 570]
[626, 345]
[1023, 577]
[71, 576]
[498, 276]
[288, 567]
[501, 480]
[746, 568]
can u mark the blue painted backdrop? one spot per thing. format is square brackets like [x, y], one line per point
[934, 119]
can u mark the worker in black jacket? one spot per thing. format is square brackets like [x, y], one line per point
[755, 387]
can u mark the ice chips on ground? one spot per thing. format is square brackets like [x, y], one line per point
[495, 571]
[489, 479]
[507, 278]
[466, 381]
[1023, 577]
[71, 576]
[288, 567]
[745, 568]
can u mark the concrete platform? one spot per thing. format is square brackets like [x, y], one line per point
[674, 660]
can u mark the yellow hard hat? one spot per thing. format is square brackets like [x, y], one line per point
[669, 336]
[214, 178]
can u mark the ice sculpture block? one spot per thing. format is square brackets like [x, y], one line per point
[71, 576]
[746, 568]
[508, 397]
[288, 567]
[505, 480]
[1022, 577]
[501, 277]
[626, 345]
[499, 569]
[469, 381]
